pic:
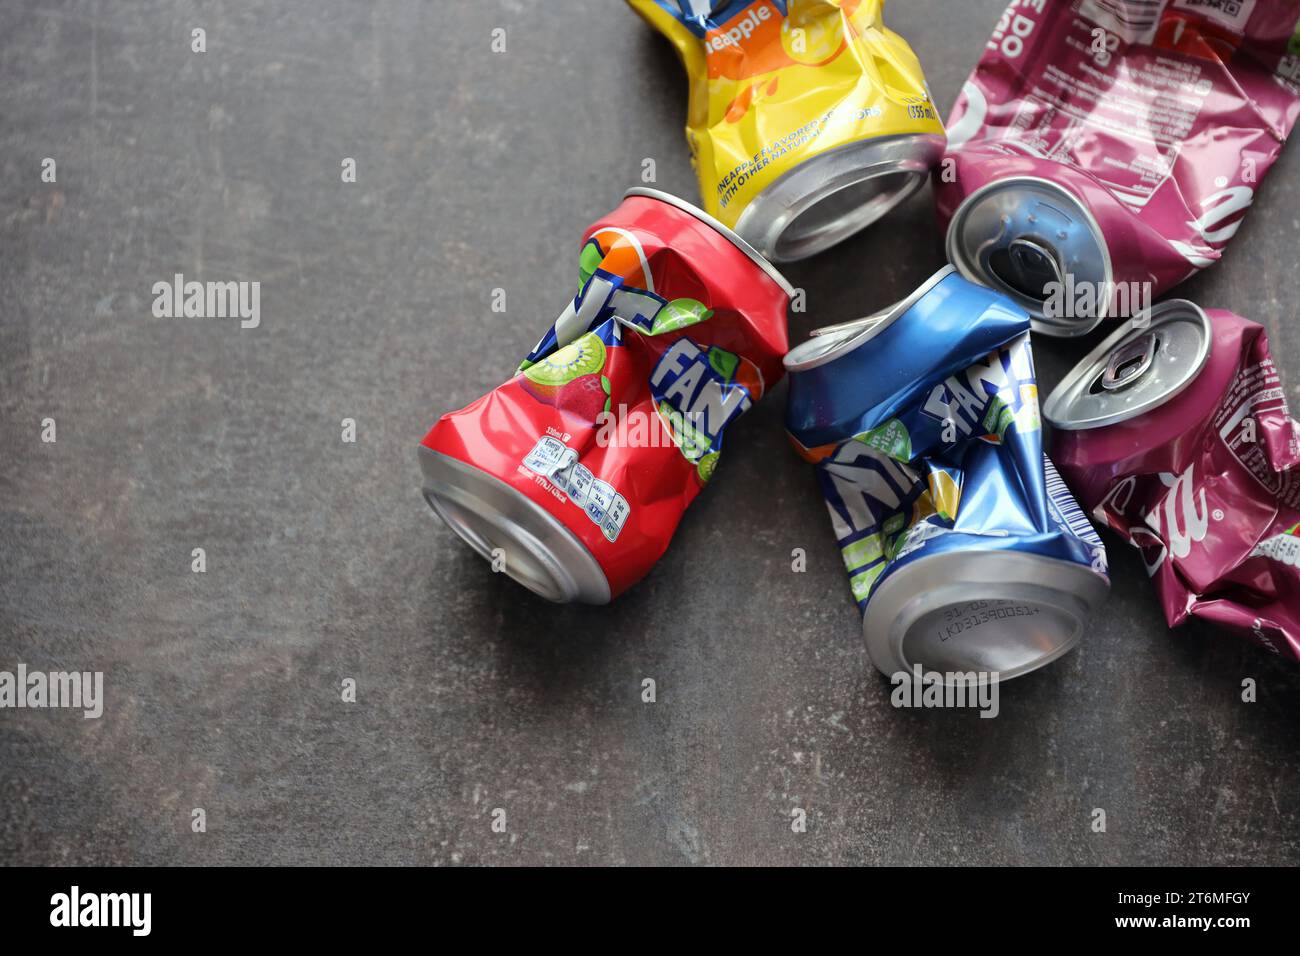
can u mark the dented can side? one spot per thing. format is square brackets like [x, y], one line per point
[965, 550]
[1203, 480]
[572, 476]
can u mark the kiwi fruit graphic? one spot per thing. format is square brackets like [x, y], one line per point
[706, 466]
[585, 355]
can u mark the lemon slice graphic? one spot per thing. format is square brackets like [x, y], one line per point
[678, 314]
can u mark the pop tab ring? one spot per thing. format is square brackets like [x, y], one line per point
[1144, 363]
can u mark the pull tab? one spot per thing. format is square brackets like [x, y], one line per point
[1028, 267]
[1128, 362]
[854, 325]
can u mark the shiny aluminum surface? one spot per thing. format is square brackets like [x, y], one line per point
[1021, 235]
[829, 197]
[1144, 363]
[500, 523]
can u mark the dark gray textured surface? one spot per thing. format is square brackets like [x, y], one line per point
[476, 171]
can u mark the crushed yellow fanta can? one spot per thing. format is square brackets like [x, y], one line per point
[808, 119]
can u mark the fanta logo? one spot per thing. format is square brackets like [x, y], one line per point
[1219, 208]
[1011, 32]
[1147, 537]
[866, 485]
[739, 31]
[617, 252]
[1144, 539]
[686, 380]
[1117, 499]
[605, 295]
[614, 277]
[1183, 521]
[963, 398]
[977, 110]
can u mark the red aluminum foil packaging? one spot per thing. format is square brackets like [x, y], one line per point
[1175, 432]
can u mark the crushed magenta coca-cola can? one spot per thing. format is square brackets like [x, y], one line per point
[572, 476]
[1175, 433]
[1104, 150]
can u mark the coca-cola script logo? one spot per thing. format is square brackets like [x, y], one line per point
[1178, 520]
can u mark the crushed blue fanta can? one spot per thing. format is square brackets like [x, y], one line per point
[965, 550]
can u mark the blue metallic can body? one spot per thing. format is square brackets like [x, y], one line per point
[925, 431]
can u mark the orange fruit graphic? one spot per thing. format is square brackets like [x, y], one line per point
[748, 375]
[622, 255]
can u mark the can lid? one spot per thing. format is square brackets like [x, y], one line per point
[1144, 363]
[826, 198]
[1019, 235]
[758, 258]
[830, 342]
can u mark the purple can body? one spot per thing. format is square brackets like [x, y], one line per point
[1206, 483]
[1159, 119]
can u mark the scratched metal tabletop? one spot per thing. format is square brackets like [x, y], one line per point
[476, 171]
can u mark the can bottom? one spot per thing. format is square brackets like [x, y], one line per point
[1003, 612]
[538, 551]
[829, 197]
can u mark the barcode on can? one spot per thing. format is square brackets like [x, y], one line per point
[1231, 13]
[1066, 509]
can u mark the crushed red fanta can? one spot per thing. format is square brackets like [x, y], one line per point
[1175, 433]
[964, 549]
[573, 475]
[1104, 150]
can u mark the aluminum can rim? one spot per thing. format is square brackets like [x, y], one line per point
[1056, 407]
[729, 234]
